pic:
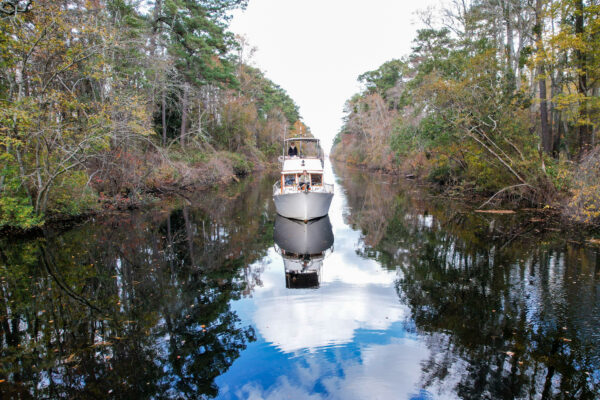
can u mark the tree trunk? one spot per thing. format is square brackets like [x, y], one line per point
[546, 135]
[155, 16]
[584, 128]
[510, 70]
[555, 115]
[164, 117]
[184, 107]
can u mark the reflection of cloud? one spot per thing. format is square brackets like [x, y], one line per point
[283, 389]
[317, 319]
[385, 372]
[344, 267]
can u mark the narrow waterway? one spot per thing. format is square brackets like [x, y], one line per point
[400, 295]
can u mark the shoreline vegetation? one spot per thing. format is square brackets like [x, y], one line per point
[498, 100]
[105, 105]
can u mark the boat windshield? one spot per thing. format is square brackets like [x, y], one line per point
[307, 148]
[289, 179]
[316, 179]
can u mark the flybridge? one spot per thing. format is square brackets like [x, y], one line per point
[308, 147]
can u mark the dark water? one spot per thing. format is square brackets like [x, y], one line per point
[417, 298]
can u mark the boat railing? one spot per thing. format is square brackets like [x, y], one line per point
[299, 157]
[327, 188]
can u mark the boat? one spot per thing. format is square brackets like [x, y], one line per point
[301, 193]
[303, 247]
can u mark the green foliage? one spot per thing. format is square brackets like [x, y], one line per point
[72, 195]
[268, 96]
[337, 139]
[441, 174]
[15, 206]
[560, 174]
[383, 78]
[188, 156]
[436, 130]
[404, 140]
[198, 40]
[241, 166]
[270, 151]
[17, 212]
[484, 173]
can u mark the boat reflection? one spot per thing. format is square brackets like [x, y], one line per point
[303, 247]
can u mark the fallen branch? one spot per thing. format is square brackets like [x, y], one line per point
[503, 190]
[495, 211]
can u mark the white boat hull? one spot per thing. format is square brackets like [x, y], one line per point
[303, 205]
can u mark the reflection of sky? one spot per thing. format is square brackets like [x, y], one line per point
[348, 339]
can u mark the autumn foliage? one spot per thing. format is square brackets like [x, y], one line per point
[106, 98]
[497, 98]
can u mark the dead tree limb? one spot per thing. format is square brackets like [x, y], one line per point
[503, 190]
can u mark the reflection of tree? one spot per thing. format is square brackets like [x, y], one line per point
[371, 202]
[137, 304]
[506, 311]
[510, 344]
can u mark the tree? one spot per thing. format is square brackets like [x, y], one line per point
[579, 41]
[199, 43]
[383, 78]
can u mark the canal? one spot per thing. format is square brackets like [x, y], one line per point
[402, 294]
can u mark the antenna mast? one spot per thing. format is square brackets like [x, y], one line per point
[283, 147]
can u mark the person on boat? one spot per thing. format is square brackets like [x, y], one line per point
[293, 150]
[303, 182]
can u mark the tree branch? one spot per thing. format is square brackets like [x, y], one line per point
[500, 191]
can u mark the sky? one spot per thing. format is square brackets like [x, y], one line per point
[315, 49]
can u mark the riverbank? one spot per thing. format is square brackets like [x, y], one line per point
[157, 177]
[571, 209]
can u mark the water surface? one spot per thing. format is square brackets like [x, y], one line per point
[404, 295]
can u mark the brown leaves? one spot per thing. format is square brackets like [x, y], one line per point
[69, 359]
[102, 344]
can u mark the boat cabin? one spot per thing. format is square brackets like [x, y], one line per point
[302, 177]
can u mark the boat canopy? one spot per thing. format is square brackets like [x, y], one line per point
[301, 139]
[308, 147]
